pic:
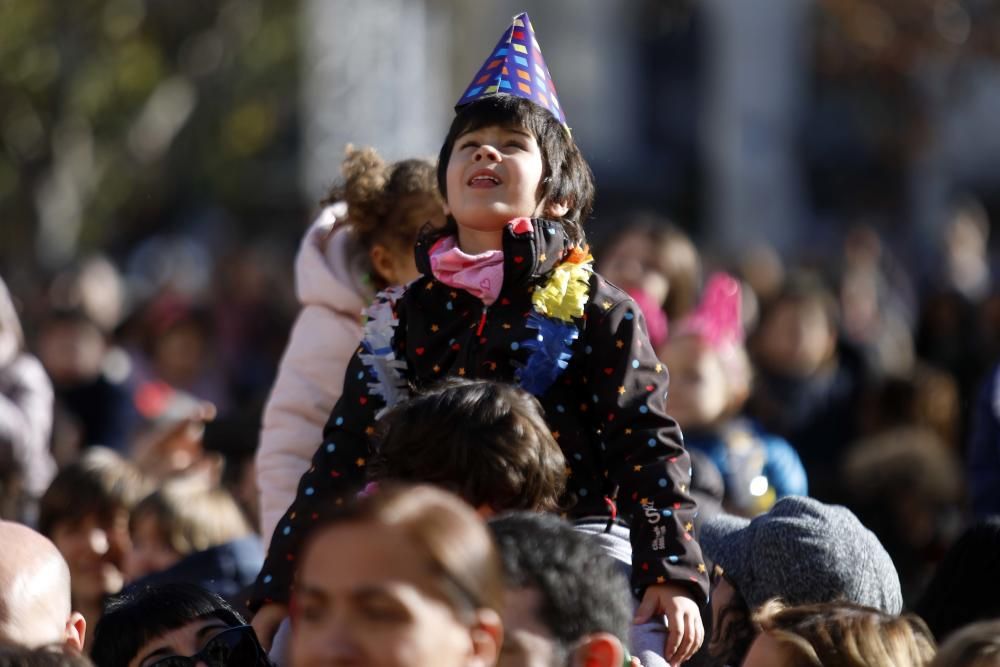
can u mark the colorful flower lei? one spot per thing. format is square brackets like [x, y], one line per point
[377, 352]
[557, 304]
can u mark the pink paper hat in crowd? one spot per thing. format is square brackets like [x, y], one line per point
[718, 318]
[516, 67]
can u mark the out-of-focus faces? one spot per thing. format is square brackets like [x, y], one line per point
[796, 338]
[150, 552]
[71, 352]
[95, 550]
[179, 354]
[632, 264]
[699, 393]
[365, 596]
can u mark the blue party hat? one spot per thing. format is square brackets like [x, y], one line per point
[516, 67]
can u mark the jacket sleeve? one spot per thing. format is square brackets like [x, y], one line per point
[627, 386]
[338, 467]
[309, 382]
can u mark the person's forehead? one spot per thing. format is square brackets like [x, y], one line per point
[377, 557]
[497, 129]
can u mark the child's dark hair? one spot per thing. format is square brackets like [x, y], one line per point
[485, 441]
[136, 616]
[566, 177]
[387, 203]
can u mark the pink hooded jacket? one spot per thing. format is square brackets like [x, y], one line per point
[330, 283]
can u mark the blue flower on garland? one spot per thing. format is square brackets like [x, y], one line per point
[550, 353]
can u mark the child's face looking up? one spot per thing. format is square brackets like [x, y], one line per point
[493, 177]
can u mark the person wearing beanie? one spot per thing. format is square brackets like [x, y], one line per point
[802, 551]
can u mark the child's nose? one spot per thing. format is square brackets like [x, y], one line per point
[487, 152]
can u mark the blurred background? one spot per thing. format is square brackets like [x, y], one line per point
[161, 159]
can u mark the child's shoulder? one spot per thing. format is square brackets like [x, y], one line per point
[606, 297]
[397, 294]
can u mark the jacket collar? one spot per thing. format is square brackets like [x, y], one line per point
[528, 254]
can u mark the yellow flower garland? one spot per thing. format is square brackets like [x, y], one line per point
[564, 295]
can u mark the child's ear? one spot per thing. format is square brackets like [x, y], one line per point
[556, 210]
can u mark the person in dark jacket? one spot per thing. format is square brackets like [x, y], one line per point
[508, 293]
[984, 449]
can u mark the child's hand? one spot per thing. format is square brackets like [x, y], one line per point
[685, 629]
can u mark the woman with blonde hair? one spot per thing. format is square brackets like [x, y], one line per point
[838, 634]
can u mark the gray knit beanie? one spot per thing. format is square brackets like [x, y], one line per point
[804, 552]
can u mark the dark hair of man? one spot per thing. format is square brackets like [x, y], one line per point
[135, 617]
[582, 590]
[566, 177]
[484, 441]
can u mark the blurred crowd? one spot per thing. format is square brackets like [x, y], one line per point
[132, 395]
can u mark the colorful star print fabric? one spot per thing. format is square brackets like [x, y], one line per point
[604, 401]
[516, 67]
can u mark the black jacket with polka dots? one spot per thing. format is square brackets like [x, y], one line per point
[606, 410]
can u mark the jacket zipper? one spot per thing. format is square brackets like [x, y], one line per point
[482, 322]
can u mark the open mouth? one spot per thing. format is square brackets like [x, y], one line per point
[484, 179]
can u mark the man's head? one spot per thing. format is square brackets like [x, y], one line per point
[566, 601]
[35, 591]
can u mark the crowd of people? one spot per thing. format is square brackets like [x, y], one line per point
[462, 451]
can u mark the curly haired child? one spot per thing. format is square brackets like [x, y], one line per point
[362, 242]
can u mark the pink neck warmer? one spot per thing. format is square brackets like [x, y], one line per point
[480, 275]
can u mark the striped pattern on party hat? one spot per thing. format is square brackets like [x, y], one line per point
[516, 67]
